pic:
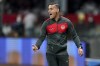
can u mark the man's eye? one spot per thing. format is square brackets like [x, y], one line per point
[50, 8]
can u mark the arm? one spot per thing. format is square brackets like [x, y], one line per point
[42, 35]
[74, 35]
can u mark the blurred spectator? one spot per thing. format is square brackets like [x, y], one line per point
[90, 7]
[29, 20]
[18, 27]
[80, 26]
[14, 34]
[16, 5]
[19, 18]
[6, 29]
[91, 22]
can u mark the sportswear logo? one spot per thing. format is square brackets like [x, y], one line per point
[52, 28]
[62, 26]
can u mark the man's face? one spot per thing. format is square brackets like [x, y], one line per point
[53, 11]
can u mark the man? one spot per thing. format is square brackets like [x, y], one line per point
[56, 28]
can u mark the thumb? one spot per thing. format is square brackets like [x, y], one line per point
[34, 47]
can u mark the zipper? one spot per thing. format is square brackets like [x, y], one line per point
[57, 27]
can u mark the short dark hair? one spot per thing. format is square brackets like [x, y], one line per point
[56, 4]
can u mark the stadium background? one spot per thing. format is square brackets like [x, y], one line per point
[20, 22]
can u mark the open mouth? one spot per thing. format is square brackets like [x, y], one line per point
[50, 14]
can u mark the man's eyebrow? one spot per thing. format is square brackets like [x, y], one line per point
[49, 8]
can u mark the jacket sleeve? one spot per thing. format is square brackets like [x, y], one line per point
[42, 35]
[73, 34]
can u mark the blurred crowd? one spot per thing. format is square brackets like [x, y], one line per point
[22, 18]
[27, 17]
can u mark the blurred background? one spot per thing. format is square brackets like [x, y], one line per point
[20, 22]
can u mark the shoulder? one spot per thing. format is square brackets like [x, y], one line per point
[45, 23]
[65, 19]
[68, 22]
[47, 20]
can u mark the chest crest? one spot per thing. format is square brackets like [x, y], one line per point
[60, 28]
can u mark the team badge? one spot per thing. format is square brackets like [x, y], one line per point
[62, 26]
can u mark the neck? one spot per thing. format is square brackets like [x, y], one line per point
[57, 17]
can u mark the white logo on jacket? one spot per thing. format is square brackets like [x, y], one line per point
[62, 26]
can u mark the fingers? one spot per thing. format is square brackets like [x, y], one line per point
[80, 51]
[34, 47]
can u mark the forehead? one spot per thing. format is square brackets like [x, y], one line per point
[51, 6]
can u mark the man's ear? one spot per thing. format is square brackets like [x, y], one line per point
[58, 10]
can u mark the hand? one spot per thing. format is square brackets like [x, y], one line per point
[34, 47]
[80, 51]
